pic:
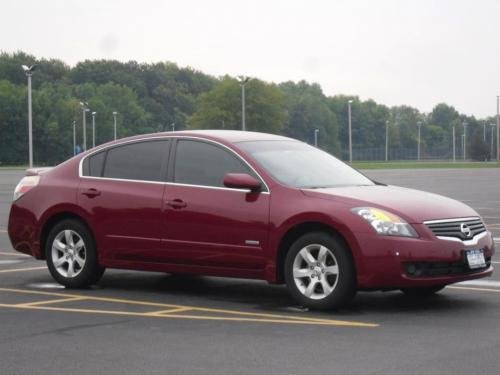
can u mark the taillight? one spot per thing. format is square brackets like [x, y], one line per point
[25, 185]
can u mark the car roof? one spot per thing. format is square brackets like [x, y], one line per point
[232, 136]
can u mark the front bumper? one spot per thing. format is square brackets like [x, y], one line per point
[383, 261]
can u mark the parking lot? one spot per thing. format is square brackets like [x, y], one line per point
[148, 323]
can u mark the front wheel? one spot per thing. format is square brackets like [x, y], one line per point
[72, 255]
[319, 271]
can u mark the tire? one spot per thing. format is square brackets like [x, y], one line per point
[71, 255]
[423, 291]
[331, 269]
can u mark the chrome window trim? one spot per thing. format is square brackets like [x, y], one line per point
[452, 220]
[170, 137]
[472, 242]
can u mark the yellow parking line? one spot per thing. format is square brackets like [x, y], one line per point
[162, 312]
[203, 309]
[49, 302]
[167, 313]
[477, 289]
[23, 269]
[195, 317]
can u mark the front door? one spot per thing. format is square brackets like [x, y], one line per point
[205, 223]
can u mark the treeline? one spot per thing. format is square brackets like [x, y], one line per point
[156, 97]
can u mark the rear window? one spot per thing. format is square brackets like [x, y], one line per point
[136, 161]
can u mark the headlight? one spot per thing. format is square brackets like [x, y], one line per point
[385, 223]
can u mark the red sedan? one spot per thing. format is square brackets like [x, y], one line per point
[243, 204]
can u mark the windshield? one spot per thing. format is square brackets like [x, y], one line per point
[297, 164]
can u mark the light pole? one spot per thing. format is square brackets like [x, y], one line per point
[484, 131]
[349, 102]
[463, 144]
[418, 150]
[84, 121]
[492, 132]
[93, 128]
[453, 135]
[114, 120]
[173, 126]
[387, 140]
[498, 127]
[316, 131]
[465, 138]
[74, 137]
[28, 70]
[243, 81]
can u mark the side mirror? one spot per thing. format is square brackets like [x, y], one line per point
[241, 181]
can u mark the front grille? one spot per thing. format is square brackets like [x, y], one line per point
[430, 269]
[461, 229]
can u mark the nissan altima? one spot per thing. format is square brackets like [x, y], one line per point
[248, 205]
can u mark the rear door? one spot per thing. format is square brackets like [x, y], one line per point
[206, 223]
[122, 189]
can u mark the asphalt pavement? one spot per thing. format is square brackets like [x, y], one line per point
[153, 323]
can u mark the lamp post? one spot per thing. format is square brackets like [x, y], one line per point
[453, 135]
[114, 120]
[465, 138]
[28, 70]
[387, 140]
[74, 137]
[173, 126]
[93, 128]
[316, 131]
[463, 144]
[349, 102]
[243, 81]
[418, 150]
[498, 127]
[484, 131]
[84, 121]
[491, 146]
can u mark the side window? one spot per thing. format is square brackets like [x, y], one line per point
[136, 161]
[92, 166]
[200, 163]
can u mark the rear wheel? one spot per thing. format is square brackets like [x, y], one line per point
[72, 255]
[423, 291]
[319, 271]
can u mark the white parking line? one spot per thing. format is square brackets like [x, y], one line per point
[486, 283]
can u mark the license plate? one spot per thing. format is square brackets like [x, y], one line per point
[475, 259]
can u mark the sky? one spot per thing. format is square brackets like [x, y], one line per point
[413, 52]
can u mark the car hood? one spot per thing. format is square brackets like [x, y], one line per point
[414, 206]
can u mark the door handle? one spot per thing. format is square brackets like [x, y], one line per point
[91, 193]
[176, 203]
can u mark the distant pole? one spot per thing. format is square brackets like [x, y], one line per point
[74, 137]
[418, 150]
[84, 121]
[454, 155]
[173, 126]
[316, 131]
[492, 132]
[349, 102]
[484, 131]
[463, 144]
[28, 70]
[387, 140]
[465, 138]
[114, 120]
[93, 129]
[498, 127]
[243, 81]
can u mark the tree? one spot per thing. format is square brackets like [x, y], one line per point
[308, 110]
[220, 108]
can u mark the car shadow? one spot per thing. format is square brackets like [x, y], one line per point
[260, 296]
